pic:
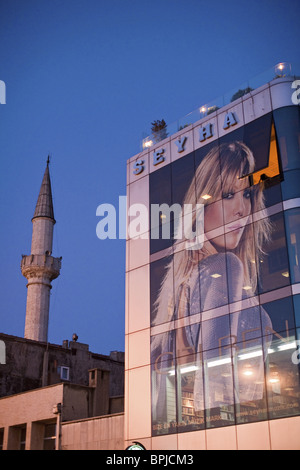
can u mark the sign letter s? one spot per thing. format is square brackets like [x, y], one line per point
[296, 94]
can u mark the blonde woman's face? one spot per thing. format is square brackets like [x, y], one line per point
[233, 212]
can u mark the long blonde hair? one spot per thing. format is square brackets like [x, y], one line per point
[215, 175]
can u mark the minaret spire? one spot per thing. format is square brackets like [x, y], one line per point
[40, 268]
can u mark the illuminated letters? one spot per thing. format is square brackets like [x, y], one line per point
[230, 120]
[138, 167]
[158, 156]
[205, 132]
[180, 143]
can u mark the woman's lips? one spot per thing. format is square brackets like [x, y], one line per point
[235, 227]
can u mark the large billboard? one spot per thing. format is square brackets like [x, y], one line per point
[223, 329]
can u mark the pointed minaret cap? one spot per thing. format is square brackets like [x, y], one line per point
[44, 205]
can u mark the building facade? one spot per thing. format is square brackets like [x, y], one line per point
[213, 279]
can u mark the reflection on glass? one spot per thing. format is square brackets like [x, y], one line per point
[292, 218]
[183, 171]
[287, 125]
[249, 382]
[281, 313]
[218, 386]
[197, 381]
[282, 378]
[274, 265]
[189, 375]
[157, 274]
[163, 384]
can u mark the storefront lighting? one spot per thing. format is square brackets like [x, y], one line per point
[284, 347]
[219, 362]
[274, 378]
[250, 355]
[184, 370]
[248, 371]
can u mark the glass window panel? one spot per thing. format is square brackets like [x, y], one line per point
[290, 185]
[272, 194]
[160, 193]
[215, 334]
[50, 430]
[161, 291]
[281, 314]
[213, 215]
[213, 275]
[241, 261]
[257, 137]
[296, 299]
[274, 265]
[292, 218]
[189, 381]
[282, 378]
[207, 176]
[163, 384]
[287, 124]
[183, 172]
[1, 438]
[23, 438]
[218, 388]
[186, 284]
[245, 326]
[249, 382]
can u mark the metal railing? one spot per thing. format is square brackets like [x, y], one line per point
[282, 69]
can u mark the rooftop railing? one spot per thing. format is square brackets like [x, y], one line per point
[283, 69]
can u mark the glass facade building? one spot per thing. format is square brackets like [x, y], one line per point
[213, 275]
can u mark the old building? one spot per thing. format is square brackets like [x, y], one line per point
[44, 387]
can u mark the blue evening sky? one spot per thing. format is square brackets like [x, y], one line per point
[84, 80]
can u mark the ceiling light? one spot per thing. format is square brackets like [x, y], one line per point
[284, 347]
[219, 362]
[206, 196]
[250, 355]
[216, 275]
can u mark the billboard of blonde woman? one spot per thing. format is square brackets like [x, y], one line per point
[208, 358]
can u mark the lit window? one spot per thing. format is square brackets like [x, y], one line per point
[64, 372]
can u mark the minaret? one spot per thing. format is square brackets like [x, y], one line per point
[40, 268]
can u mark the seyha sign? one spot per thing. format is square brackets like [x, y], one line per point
[205, 132]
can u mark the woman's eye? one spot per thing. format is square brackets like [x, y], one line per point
[247, 194]
[228, 196]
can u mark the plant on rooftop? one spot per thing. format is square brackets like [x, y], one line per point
[159, 130]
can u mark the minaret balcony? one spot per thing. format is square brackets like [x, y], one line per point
[40, 266]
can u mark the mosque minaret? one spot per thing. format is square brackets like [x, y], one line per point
[40, 267]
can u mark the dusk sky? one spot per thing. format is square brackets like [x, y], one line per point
[84, 80]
